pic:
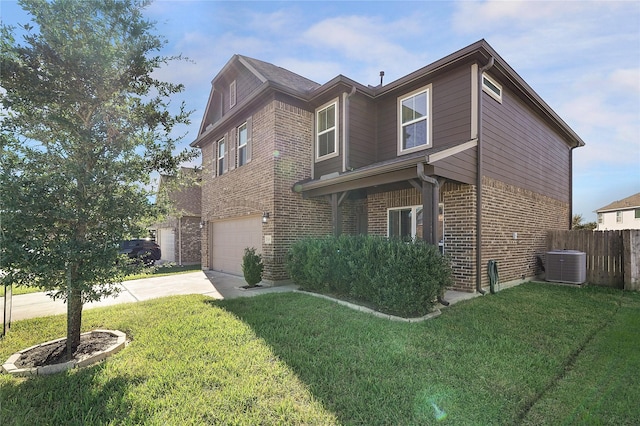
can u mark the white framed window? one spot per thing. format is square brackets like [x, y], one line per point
[232, 94]
[327, 131]
[220, 157]
[414, 118]
[618, 217]
[405, 223]
[637, 214]
[242, 144]
[600, 218]
[492, 87]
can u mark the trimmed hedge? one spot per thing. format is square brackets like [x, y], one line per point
[396, 277]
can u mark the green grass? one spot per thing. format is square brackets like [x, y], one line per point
[533, 354]
[159, 271]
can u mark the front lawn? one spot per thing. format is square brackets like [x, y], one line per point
[533, 354]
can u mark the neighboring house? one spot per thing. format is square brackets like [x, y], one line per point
[458, 149]
[622, 214]
[179, 235]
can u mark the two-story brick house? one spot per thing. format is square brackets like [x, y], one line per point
[458, 149]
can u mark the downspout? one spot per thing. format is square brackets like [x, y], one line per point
[479, 172]
[345, 154]
[571, 185]
[180, 241]
[435, 199]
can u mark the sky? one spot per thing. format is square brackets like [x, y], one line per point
[581, 57]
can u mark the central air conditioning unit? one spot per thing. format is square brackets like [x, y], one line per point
[566, 266]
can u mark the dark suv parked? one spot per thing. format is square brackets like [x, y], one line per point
[145, 250]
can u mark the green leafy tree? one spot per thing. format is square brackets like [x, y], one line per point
[85, 123]
[576, 223]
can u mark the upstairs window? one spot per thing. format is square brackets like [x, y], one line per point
[221, 157]
[327, 131]
[637, 214]
[415, 121]
[232, 94]
[492, 87]
[242, 145]
[618, 217]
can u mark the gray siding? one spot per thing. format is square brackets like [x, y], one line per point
[521, 149]
[451, 113]
[362, 135]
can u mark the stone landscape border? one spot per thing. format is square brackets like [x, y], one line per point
[433, 314]
[10, 367]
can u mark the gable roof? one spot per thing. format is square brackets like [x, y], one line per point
[293, 84]
[267, 72]
[631, 202]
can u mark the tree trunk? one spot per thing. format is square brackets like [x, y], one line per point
[74, 319]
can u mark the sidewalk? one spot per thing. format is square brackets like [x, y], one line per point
[210, 283]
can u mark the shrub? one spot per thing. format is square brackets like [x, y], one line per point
[252, 266]
[397, 277]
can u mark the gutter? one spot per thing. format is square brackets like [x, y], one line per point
[479, 172]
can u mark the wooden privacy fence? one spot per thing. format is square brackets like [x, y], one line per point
[613, 257]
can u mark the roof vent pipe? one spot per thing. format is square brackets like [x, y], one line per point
[381, 76]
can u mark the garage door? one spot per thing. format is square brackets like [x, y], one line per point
[166, 240]
[230, 238]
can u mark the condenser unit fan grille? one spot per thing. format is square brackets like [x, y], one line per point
[566, 266]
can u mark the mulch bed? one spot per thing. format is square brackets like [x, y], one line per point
[55, 353]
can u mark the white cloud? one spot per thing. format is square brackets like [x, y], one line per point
[626, 79]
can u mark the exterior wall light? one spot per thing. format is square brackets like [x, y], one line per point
[265, 217]
[201, 224]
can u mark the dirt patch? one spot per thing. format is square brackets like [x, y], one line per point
[55, 353]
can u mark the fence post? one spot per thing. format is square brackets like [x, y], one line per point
[631, 243]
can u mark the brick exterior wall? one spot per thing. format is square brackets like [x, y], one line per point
[507, 210]
[187, 239]
[282, 138]
[460, 233]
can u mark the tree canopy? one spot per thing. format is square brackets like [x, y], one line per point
[85, 123]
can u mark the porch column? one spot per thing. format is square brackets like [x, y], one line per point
[336, 200]
[430, 199]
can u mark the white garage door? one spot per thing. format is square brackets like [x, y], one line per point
[230, 238]
[166, 240]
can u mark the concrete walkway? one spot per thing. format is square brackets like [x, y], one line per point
[210, 283]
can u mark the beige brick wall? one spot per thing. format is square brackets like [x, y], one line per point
[508, 210]
[282, 137]
[293, 216]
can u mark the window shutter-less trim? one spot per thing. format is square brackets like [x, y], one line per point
[232, 148]
[226, 155]
[249, 134]
[214, 165]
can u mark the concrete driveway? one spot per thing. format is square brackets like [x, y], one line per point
[209, 283]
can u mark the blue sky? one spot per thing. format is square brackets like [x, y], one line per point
[581, 57]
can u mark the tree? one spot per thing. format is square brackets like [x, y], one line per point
[576, 223]
[85, 123]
